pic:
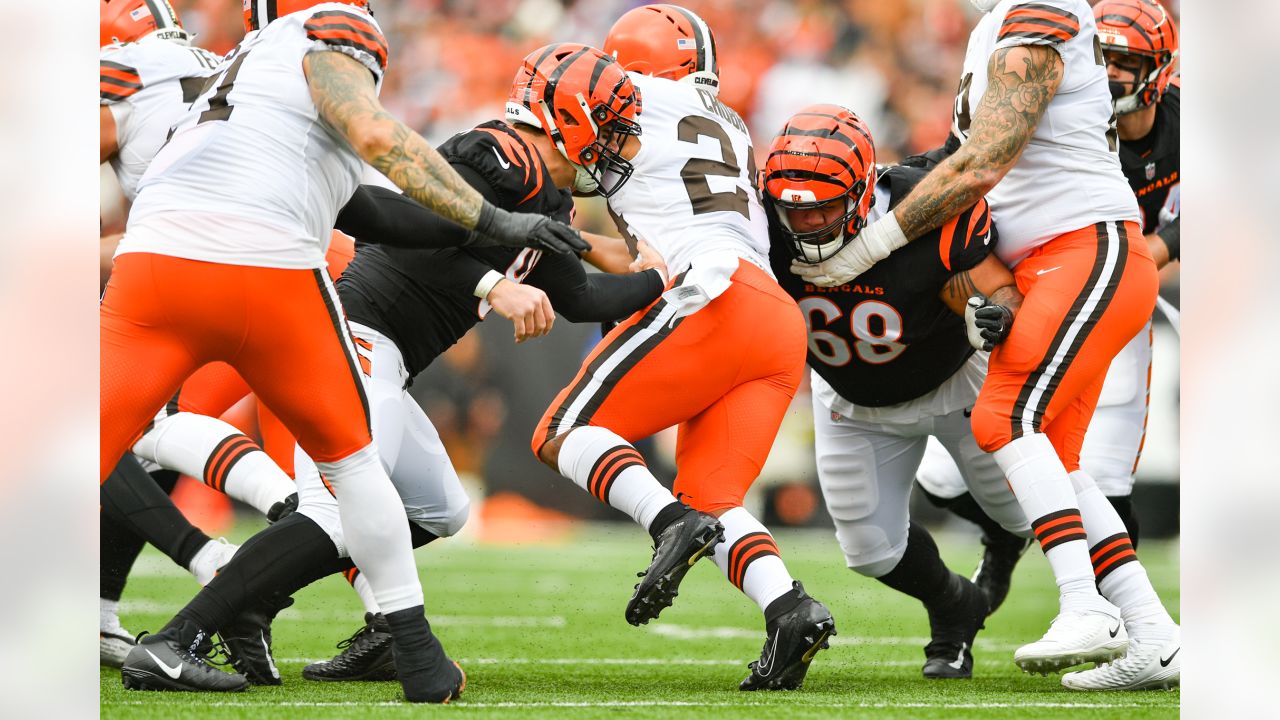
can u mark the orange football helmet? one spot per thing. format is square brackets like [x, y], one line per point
[127, 21]
[257, 13]
[586, 105]
[1144, 29]
[666, 41]
[823, 155]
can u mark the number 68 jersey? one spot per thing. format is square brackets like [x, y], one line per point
[693, 187]
[251, 174]
[886, 337]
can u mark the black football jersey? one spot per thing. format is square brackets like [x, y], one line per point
[422, 298]
[886, 337]
[1151, 164]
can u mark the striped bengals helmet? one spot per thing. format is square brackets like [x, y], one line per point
[126, 21]
[586, 105]
[1142, 28]
[823, 155]
[257, 13]
[666, 41]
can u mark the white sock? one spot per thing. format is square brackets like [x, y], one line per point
[1121, 577]
[209, 559]
[749, 558]
[1040, 483]
[361, 585]
[611, 469]
[215, 452]
[375, 528]
[109, 615]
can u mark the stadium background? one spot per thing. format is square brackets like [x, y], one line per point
[895, 63]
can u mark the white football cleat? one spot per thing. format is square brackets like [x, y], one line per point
[1075, 637]
[1153, 662]
[210, 559]
[114, 646]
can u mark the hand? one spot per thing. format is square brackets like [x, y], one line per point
[499, 227]
[986, 324]
[873, 244]
[647, 259]
[526, 307]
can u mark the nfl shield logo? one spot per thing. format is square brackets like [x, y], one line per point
[1151, 171]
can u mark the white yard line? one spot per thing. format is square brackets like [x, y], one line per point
[640, 661]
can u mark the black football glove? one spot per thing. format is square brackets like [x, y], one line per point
[986, 323]
[497, 227]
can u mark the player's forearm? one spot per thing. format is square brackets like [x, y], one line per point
[948, 190]
[608, 254]
[344, 95]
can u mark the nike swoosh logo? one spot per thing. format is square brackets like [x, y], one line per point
[505, 165]
[1164, 662]
[176, 670]
[1038, 272]
[766, 662]
[959, 657]
[1115, 630]
[986, 239]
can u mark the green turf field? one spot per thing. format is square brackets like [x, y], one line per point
[540, 632]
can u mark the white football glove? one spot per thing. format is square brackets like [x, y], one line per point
[873, 244]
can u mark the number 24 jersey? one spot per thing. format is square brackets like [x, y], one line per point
[886, 337]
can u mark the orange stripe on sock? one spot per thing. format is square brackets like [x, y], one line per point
[1110, 546]
[1113, 560]
[1060, 521]
[1064, 533]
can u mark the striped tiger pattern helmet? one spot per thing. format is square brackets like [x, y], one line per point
[125, 21]
[585, 103]
[666, 41]
[1144, 29]
[824, 155]
[257, 13]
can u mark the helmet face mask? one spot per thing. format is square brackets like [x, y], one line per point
[586, 105]
[1138, 28]
[820, 171]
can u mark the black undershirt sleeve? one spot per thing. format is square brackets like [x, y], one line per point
[380, 215]
[598, 297]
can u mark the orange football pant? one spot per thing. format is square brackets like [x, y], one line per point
[724, 374]
[1087, 294]
[163, 317]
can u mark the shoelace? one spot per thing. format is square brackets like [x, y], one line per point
[366, 630]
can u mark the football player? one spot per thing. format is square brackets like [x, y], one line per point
[235, 212]
[1033, 114]
[1140, 43]
[891, 362]
[406, 307]
[720, 355]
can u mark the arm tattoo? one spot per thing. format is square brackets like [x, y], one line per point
[959, 288]
[1021, 81]
[343, 92]
[1008, 296]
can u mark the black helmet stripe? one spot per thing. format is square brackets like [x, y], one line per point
[602, 62]
[704, 43]
[554, 78]
[825, 133]
[826, 156]
[1131, 22]
[533, 74]
[793, 174]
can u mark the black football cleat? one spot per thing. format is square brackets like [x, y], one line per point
[366, 655]
[282, 509]
[995, 571]
[247, 643]
[679, 545]
[793, 637]
[166, 662]
[426, 673]
[949, 654]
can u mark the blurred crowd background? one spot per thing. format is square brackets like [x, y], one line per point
[896, 63]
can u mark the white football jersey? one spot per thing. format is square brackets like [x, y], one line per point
[693, 188]
[252, 175]
[1069, 176]
[148, 86]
